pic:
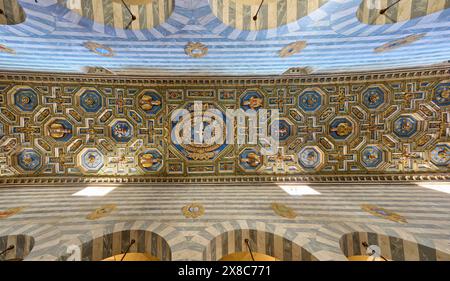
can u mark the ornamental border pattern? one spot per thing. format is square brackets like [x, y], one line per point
[372, 178]
[321, 78]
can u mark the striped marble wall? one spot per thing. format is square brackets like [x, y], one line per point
[23, 244]
[13, 11]
[260, 241]
[117, 243]
[392, 248]
[273, 13]
[113, 13]
[369, 10]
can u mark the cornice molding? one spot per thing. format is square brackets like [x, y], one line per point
[243, 81]
[334, 179]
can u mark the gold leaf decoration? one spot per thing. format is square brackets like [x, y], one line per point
[383, 213]
[193, 210]
[283, 211]
[101, 212]
[10, 212]
[196, 49]
[292, 49]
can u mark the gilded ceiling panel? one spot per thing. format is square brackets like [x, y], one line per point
[108, 126]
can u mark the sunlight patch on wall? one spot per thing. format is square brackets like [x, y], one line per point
[91, 191]
[438, 186]
[298, 190]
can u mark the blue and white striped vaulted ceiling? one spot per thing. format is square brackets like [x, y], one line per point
[51, 39]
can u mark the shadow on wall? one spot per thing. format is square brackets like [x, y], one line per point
[15, 247]
[114, 244]
[354, 246]
[261, 242]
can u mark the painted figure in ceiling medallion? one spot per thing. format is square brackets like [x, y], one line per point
[309, 101]
[405, 126]
[440, 155]
[91, 101]
[252, 100]
[25, 99]
[371, 156]
[198, 131]
[29, 160]
[309, 157]
[122, 131]
[341, 128]
[280, 129]
[250, 159]
[60, 130]
[150, 160]
[373, 97]
[150, 102]
[92, 160]
[441, 95]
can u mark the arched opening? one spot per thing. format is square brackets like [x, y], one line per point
[134, 15]
[15, 247]
[127, 245]
[241, 244]
[11, 12]
[370, 246]
[272, 13]
[389, 12]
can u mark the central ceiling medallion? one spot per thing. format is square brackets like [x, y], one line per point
[205, 137]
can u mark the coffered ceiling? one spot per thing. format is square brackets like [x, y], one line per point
[327, 36]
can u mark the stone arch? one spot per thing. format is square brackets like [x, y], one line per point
[12, 12]
[329, 243]
[273, 13]
[228, 237]
[31, 241]
[156, 239]
[392, 247]
[113, 14]
[15, 247]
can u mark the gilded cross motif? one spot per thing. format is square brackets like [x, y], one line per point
[281, 101]
[58, 100]
[122, 162]
[406, 159]
[281, 162]
[408, 98]
[91, 131]
[373, 128]
[444, 128]
[119, 102]
[341, 158]
[61, 160]
[342, 100]
[310, 130]
[27, 130]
